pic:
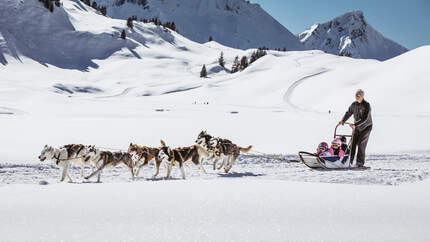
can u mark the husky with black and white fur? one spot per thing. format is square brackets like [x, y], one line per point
[221, 149]
[66, 155]
[104, 159]
[208, 142]
[195, 154]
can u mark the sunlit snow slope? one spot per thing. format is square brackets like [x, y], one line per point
[235, 23]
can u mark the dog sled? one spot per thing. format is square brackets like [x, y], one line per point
[315, 161]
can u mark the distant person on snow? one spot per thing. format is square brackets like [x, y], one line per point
[336, 149]
[323, 149]
[362, 125]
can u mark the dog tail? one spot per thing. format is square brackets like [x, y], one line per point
[245, 150]
[202, 151]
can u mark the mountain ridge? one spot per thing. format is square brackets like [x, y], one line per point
[350, 35]
[234, 23]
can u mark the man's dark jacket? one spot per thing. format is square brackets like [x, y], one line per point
[362, 115]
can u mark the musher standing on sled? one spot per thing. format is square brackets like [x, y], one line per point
[362, 125]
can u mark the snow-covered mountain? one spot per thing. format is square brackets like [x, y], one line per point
[235, 23]
[350, 35]
[74, 36]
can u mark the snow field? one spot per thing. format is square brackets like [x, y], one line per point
[214, 210]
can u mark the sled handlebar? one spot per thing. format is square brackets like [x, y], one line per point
[340, 135]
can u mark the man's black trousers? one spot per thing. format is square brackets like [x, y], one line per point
[360, 140]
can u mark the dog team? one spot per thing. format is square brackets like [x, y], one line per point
[207, 147]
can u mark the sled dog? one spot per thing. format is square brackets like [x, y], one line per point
[66, 155]
[194, 154]
[105, 159]
[208, 142]
[147, 154]
[221, 149]
[231, 152]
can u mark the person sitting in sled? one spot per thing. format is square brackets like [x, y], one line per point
[323, 149]
[344, 145]
[336, 149]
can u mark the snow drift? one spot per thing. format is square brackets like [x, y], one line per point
[350, 35]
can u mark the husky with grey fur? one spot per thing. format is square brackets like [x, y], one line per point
[65, 156]
[105, 159]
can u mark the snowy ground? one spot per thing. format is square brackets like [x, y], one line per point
[386, 170]
[261, 199]
[215, 210]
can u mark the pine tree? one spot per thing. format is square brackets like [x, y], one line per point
[51, 7]
[46, 3]
[203, 72]
[173, 26]
[94, 5]
[103, 10]
[130, 22]
[284, 49]
[210, 38]
[253, 57]
[236, 65]
[142, 2]
[243, 63]
[221, 59]
[123, 36]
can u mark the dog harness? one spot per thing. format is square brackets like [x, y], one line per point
[173, 158]
[57, 158]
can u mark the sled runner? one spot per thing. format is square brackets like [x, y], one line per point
[315, 161]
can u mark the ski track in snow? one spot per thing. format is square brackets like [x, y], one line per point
[123, 93]
[386, 170]
[9, 111]
[288, 95]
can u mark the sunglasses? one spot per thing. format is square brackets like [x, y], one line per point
[335, 145]
[357, 95]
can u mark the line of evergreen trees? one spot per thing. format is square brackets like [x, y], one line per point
[279, 49]
[244, 63]
[102, 9]
[143, 3]
[49, 4]
[238, 65]
[156, 21]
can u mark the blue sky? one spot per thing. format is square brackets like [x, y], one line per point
[405, 21]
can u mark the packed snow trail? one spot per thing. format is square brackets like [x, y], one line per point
[288, 95]
[386, 170]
